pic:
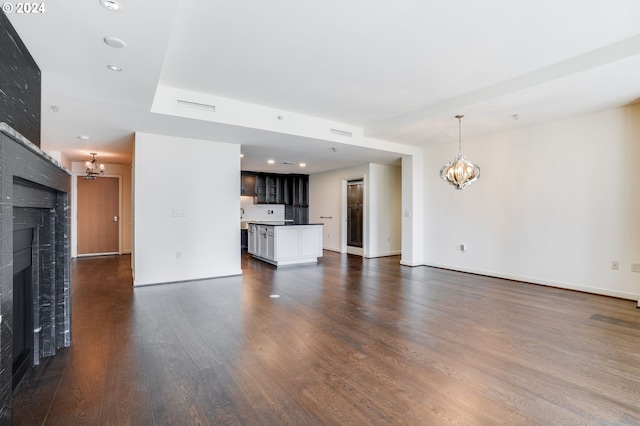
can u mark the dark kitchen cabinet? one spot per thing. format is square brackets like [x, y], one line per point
[274, 193]
[300, 191]
[292, 190]
[286, 185]
[248, 184]
[268, 189]
[244, 239]
[297, 206]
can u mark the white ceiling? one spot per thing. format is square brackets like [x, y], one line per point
[400, 70]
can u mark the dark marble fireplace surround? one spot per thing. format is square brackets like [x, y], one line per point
[34, 193]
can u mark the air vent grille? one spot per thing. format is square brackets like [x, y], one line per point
[341, 133]
[196, 105]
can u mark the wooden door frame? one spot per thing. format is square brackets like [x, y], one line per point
[365, 223]
[74, 212]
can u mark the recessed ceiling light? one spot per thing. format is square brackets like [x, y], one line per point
[114, 67]
[115, 42]
[303, 164]
[271, 161]
[83, 137]
[111, 5]
[241, 155]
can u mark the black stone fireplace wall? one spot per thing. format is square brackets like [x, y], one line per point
[20, 83]
[34, 193]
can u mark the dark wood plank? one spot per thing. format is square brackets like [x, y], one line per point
[349, 341]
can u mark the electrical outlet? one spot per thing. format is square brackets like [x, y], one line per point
[635, 267]
[615, 264]
[178, 255]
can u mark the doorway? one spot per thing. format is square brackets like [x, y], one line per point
[98, 220]
[355, 214]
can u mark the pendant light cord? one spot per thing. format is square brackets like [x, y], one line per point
[459, 117]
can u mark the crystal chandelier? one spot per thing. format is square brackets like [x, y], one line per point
[93, 168]
[460, 172]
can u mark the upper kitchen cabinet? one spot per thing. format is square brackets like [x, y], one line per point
[300, 190]
[248, 184]
[268, 189]
[295, 190]
[274, 188]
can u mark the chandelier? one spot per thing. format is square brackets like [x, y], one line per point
[460, 172]
[93, 168]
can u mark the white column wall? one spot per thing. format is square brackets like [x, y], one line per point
[186, 209]
[413, 236]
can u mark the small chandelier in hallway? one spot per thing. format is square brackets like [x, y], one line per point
[93, 168]
[460, 172]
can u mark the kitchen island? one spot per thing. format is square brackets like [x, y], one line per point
[284, 243]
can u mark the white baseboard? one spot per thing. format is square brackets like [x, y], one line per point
[549, 283]
[179, 280]
[385, 254]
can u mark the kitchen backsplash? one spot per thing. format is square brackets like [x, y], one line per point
[260, 212]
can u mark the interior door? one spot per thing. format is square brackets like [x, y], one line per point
[354, 213]
[98, 215]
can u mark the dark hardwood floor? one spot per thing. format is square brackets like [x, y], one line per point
[349, 341]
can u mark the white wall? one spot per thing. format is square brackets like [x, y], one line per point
[556, 204]
[385, 210]
[60, 158]
[412, 210]
[199, 178]
[382, 207]
[325, 200]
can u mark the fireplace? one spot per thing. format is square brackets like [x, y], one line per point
[22, 304]
[35, 284]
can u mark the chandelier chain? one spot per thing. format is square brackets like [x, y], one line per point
[459, 117]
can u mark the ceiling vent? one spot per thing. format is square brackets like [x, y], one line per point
[288, 163]
[195, 105]
[341, 133]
